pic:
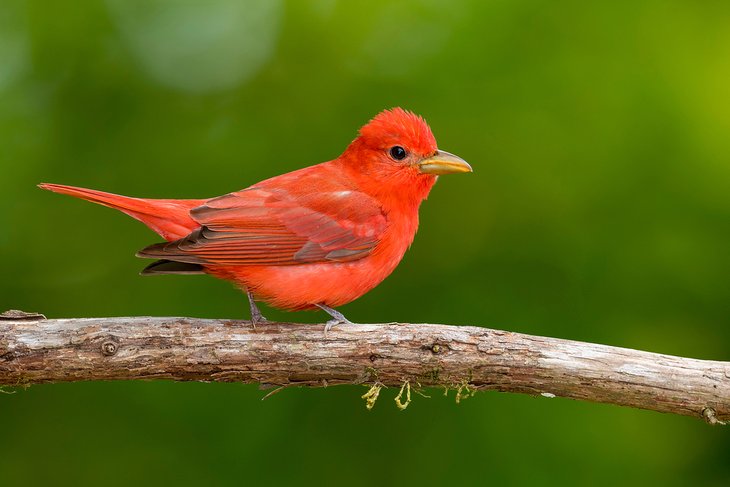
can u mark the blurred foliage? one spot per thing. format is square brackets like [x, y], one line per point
[599, 210]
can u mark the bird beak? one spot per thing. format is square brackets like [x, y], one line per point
[443, 163]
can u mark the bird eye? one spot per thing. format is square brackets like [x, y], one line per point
[398, 153]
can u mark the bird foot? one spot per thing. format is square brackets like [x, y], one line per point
[334, 322]
[337, 318]
[256, 316]
[258, 320]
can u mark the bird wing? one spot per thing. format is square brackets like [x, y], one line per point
[272, 226]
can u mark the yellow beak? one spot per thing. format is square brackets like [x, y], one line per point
[443, 163]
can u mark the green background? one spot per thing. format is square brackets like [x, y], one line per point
[599, 210]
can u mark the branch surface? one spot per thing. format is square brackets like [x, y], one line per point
[37, 350]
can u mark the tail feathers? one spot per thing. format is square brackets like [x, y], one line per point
[169, 251]
[169, 267]
[169, 218]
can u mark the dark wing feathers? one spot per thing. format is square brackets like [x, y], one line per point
[170, 267]
[270, 227]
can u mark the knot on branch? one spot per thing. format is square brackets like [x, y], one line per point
[710, 416]
[109, 348]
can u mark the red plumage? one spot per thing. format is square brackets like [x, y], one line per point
[322, 235]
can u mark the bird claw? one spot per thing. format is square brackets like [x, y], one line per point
[337, 317]
[256, 316]
[258, 320]
[334, 322]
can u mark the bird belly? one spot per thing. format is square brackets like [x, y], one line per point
[302, 286]
[296, 287]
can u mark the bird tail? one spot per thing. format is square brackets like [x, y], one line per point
[169, 218]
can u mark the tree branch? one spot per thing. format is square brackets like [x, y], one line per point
[36, 350]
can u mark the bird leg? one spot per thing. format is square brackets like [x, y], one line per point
[337, 317]
[256, 316]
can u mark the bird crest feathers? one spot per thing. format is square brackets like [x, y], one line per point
[399, 126]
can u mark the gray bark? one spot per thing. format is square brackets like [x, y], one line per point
[36, 350]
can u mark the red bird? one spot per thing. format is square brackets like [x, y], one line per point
[321, 236]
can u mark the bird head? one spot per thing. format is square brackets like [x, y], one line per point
[398, 151]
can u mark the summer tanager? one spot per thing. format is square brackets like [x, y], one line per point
[321, 236]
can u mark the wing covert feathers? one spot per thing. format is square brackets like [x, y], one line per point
[270, 227]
